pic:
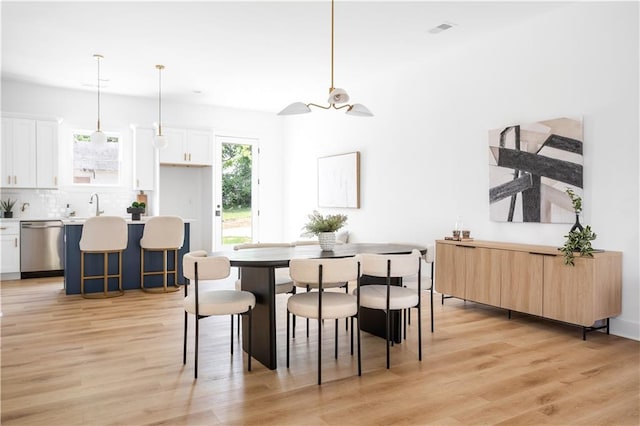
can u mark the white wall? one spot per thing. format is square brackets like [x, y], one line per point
[77, 109]
[424, 156]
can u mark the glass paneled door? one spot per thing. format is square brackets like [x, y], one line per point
[236, 188]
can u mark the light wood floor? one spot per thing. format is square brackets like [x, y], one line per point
[71, 361]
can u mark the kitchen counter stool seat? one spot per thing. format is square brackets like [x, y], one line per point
[162, 234]
[103, 235]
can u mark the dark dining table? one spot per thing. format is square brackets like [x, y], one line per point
[257, 272]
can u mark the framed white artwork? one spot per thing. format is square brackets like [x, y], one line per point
[339, 180]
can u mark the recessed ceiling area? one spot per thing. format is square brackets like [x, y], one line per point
[256, 55]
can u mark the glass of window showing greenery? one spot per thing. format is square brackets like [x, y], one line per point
[95, 164]
[237, 162]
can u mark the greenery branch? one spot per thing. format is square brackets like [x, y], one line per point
[318, 223]
[578, 241]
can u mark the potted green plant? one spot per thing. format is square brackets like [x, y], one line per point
[325, 228]
[576, 201]
[579, 238]
[136, 209]
[7, 207]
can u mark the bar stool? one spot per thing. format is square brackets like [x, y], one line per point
[103, 234]
[162, 234]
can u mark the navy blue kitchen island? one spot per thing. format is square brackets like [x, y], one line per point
[130, 261]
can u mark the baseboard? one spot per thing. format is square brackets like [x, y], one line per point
[623, 328]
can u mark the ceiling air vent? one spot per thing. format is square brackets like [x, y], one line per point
[440, 28]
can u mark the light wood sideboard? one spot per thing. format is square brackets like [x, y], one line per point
[532, 279]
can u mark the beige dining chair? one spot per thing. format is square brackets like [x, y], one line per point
[202, 303]
[103, 235]
[321, 304]
[389, 297]
[327, 285]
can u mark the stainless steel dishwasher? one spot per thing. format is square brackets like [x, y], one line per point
[41, 248]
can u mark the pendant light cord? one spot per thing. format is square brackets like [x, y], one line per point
[98, 57]
[160, 68]
[331, 47]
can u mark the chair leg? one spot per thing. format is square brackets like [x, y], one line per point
[319, 351]
[405, 314]
[184, 347]
[346, 320]
[431, 294]
[308, 290]
[359, 353]
[388, 334]
[231, 334]
[250, 343]
[419, 332]
[195, 367]
[336, 335]
[351, 339]
[288, 337]
[294, 326]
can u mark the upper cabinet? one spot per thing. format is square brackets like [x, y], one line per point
[18, 153]
[187, 147]
[47, 154]
[29, 153]
[144, 164]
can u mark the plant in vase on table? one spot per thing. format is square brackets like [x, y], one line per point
[579, 238]
[325, 228]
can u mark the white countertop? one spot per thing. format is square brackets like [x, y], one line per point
[77, 220]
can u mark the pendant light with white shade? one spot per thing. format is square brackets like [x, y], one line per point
[337, 96]
[160, 141]
[98, 137]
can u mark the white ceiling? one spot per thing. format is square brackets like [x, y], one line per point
[255, 55]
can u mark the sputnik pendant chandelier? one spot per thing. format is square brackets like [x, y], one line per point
[336, 96]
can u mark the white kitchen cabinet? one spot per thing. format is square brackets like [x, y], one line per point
[29, 153]
[10, 247]
[18, 153]
[144, 162]
[200, 147]
[187, 147]
[47, 154]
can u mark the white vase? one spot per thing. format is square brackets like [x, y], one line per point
[327, 240]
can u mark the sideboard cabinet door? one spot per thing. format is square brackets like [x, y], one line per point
[521, 281]
[584, 293]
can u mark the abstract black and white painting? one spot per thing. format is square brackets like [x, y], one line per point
[530, 168]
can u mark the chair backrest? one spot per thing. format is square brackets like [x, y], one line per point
[333, 270]
[402, 265]
[163, 232]
[104, 233]
[209, 267]
[260, 245]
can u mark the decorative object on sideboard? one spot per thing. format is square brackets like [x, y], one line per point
[160, 141]
[579, 238]
[136, 210]
[7, 207]
[576, 202]
[325, 228]
[98, 137]
[336, 95]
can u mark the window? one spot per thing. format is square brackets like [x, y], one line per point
[95, 164]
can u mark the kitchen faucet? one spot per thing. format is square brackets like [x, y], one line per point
[98, 211]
